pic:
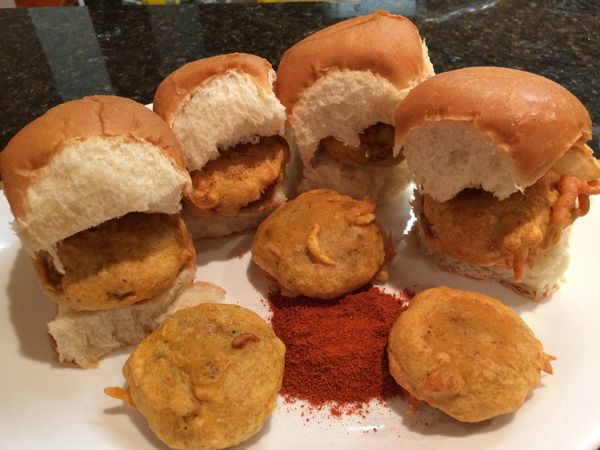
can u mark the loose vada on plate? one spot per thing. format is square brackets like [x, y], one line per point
[502, 169]
[340, 87]
[95, 187]
[465, 353]
[230, 126]
[207, 378]
[322, 245]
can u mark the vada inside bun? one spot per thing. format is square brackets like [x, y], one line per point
[87, 336]
[227, 119]
[95, 187]
[340, 87]
[502, 169]
[88, 161]
[84, 337]
[493, 128]
[207, 378]
[537, 281]
[118, 263]
[466, 354]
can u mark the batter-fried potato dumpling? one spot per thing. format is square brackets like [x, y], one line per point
[118, 263]
[465, 353]
[321, 245]
[240, 176]
[376, 147]
[207, 378]
[477, 228]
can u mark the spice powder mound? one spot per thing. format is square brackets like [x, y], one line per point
[336, 349]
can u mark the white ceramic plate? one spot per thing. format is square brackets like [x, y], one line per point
[46, 406]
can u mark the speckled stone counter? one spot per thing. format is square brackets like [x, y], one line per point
[50, 55]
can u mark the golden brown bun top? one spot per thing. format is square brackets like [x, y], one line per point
[533, 119]
[383, 43]
[102, 115]
[178, 84]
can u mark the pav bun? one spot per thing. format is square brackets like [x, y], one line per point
[93, 184]
[502, 170]
[342, 80]
[218, 102]
[213, 105]
[380, 183]
[538, 281]
[203, 224]
[496, 128]
[88, 161]
[84, 337]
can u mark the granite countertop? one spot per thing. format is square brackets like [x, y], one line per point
[50, 55]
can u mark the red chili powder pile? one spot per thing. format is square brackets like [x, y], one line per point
[337, 349]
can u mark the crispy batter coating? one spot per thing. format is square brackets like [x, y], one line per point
[118, 263]
[239, 177]
[477, 228]
[322, 245]
[208, 377]
[465, 353]
[376, 147]
[574, 199]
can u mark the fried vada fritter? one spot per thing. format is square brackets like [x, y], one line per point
[376, 147]
[321, 245]
[477, 228]
[465, 353]
[207, 378]
[239, 177]
[118, 263]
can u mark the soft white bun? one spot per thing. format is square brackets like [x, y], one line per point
[349, 76]
[88, 161]
[207, 224]
[83, 337]
[194, 294]
[379, 183]
[342, 104]
[216, 103]
[537, 282]
[495, 128]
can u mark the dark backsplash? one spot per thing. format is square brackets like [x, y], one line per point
[50, 55]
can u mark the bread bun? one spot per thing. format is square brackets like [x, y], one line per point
[218, 102]
[207, 224]
[83, 337]
[349, 76]
[88, 161]
[538, 281]
[491, 127]
[379, 183]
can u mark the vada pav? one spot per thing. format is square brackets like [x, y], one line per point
[465, 353]
[207, 378]
[503, 170]
[230, 125]
[95, 187]
[321, 244]
[340, 87]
